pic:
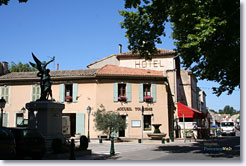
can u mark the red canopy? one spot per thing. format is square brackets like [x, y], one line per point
[187, 111]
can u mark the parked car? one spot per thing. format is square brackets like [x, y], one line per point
[7, 144]
[29, 142]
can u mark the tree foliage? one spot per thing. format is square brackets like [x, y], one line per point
[228, 110]
[5, 2]
[207, 34]
[108, 121]
[20, 67]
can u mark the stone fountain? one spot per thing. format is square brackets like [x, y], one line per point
[157, 135]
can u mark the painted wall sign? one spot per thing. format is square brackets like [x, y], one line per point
[149, 64]
[124, 109]
[136, 109]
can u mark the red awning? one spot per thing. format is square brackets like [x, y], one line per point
[187, 111]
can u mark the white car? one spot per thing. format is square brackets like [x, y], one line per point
[227, 128]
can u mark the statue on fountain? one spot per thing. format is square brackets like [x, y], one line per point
[45, 81]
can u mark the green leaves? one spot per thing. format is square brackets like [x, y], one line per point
[5, 2]
[207, 34]
[108, 121]
[21, 67]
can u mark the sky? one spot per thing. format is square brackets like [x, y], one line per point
[77, 33]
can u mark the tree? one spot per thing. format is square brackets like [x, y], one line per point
[108, 121]
[228, 110]
[20, 67]
[5, 2]
[207, 35]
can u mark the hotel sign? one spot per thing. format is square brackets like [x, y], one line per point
[136, 109]
[149, 64]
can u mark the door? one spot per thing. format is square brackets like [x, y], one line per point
[122, 132]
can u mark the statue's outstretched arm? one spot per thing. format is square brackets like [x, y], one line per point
[49, 61]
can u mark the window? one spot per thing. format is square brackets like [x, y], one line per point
[147, 92]
[19, 120]
[147, 122]
[69, 93]
[36, 92]
[122, 92]
[5, 93]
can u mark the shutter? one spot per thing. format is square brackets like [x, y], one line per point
[2, 91]
[129, 92]
[62, 93]
[33, 93]
[153, 92]
[80, 123]
[38, 92]
[5, 120]
[141, 93]
[7, 94]
[75, 92]
[115, 92]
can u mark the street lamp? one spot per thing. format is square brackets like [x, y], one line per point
[2, 105]
[88, 111]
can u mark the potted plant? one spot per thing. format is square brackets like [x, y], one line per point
[148, 98]
[122, 98]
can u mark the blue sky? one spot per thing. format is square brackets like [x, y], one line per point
[77, 33]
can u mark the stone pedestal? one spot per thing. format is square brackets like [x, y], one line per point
[46, 116]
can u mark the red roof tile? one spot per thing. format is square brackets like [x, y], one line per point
[114, 70]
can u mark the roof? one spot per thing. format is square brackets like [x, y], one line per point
[114, 70]
[161, 52]
[53, 74]
[108, 70]
[101, 60]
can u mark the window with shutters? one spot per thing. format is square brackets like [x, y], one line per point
[5, 93]
[36, 92]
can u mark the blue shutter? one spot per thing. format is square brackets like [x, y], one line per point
[80, 123]
[129, 92]
[62, 93]
[115, 92]
[153, 92]
[75, 92]
[141, 93]
[5, 120]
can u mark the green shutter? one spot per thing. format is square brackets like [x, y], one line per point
[5, 120]
[153, 92]
[34, 93]
[75, 92]
[62, 93]
[80, 123]
[2, 91]
[129, 92]
[115, 92]
[7, 94]
[141, 93]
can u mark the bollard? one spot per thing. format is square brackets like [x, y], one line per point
[172, 136]
[167, 140]
[72, 150]
[139, 141]
[100, 140]
[163, 140]
[112, 152]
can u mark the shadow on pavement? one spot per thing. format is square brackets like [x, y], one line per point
[222, 147]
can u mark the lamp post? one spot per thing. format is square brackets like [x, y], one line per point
[2, 105]
[88, 111]
[142, 120]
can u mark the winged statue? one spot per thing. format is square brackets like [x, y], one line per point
[45, 81]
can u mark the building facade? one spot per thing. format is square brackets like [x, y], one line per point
[120, 82]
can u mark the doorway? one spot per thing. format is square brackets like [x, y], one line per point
[122, 133]
[69, 124]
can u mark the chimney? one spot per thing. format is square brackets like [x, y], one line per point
[120, 48]
[57, 67]
[1, 68]
[5, 67]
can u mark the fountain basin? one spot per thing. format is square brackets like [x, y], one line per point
[156, 136]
